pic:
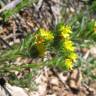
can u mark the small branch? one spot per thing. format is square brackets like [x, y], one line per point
[39, 4]
[10, 5]
[4, 42]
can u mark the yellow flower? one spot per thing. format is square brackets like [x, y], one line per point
[68, 44]
[65, 35]
[65, 30]
[47, 35]
[68, 64]
[73, 56]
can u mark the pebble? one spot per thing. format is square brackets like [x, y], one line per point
[54, 81]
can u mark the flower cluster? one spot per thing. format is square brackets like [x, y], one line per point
[60, 41]
[42, 38]
[65, 31]
[68, 63]
[67, 46]
[47, 35]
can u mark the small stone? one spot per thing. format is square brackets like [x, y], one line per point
[54, 81]
[56, 88]
[42, 89]
[73, 84]
[93, 52]
[13, 90]
[72, 10]
[18, 61]
[75, 79]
